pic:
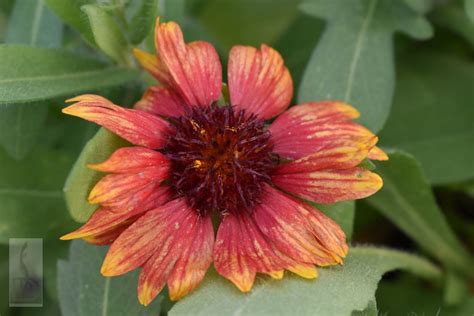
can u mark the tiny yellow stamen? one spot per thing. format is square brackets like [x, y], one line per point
[197, 164]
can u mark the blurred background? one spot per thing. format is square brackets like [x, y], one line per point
[407, 65]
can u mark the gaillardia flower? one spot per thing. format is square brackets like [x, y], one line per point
[194, 161]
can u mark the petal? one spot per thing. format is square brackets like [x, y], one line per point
[116, 187]
[142, 239]
[195, 69]
[241, 251]
[194, 261]
[131, 160]
[182, 255]
[347, 155]
[259, 82]
[377, 154]
[138, 127]
[330, 186]
[307, 128]
[153, 65]
[299, 231]
[106, 218]
[163, 101]
[107, 237]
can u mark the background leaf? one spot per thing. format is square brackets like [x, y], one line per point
[81, 179]
[20, 127]
[143, 21]
[45, 73]
[70, 12]
[353, 61]
[83, 291]
[407, 200]
[30, 191]
[337, 291]
[32, 23]
[107, 33]
[432, 116]
[469, 5]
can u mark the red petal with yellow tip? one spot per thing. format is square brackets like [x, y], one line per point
[107, 237]
[330, 186]
[258, 80]
[114, 188]
[195, 69]
[305, 129]
[163, 101]
[181, 254]
[241, 251]
[131, 160]
[377, 154]
[299, 231]
[138, 127]
[153, 65]
[106, 218]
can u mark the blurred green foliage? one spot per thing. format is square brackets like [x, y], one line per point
[407, 65]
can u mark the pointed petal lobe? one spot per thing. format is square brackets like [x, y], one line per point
[138, 127]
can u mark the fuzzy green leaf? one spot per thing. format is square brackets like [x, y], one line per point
[143, 21]
[337, 291]
[70, 12]
[83, 291]
[81, 179]
[30, 74]
[107, 33]
[407, 200]
[353, 61]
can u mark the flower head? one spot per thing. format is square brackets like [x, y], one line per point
[193, 159]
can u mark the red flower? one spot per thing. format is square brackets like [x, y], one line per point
[193, 159]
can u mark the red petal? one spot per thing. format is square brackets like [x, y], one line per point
[106, 218]
[299, 231]
[138, 127]
[163, 101]
[107, 237]
[115, 187]
[131, 160]
[195, 69]
[182, 252]
[330, 186]
[259, 82]
[305, 129]
[241, 251]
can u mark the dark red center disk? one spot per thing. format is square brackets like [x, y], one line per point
[220, 159]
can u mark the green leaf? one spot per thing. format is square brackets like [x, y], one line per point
[173, 10]
[31, 200]
[143, 21]
[70, 12]
[107, 33]
[353, 61]
[432, 116]
[337, 291]
[83, 291]
[29, 74]
[407, 200]
[32, 23]
[247, 22]
[81, 179]
[469, 6]
[456, 288]
[20, 126]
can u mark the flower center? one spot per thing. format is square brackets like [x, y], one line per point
[220, 159]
